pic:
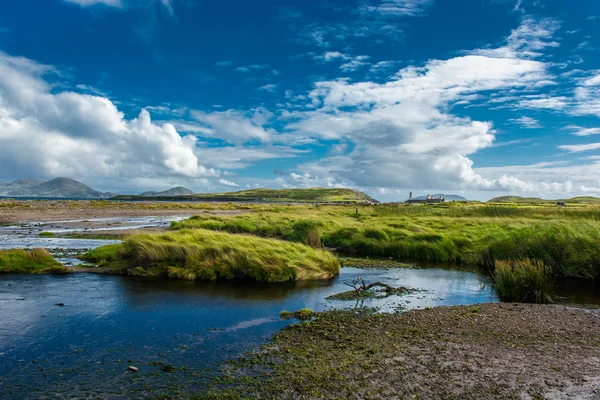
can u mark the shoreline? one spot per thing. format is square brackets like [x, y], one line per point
[484, 351]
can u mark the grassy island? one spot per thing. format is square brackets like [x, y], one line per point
[207, 255]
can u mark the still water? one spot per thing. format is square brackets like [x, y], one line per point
[83, 349]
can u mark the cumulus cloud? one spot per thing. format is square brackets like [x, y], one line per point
[74, 134]
[403, 133]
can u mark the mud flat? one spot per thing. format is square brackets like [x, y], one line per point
[17, 211]
[486, 351]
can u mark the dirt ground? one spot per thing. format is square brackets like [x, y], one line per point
[487, 351]
[17, 211]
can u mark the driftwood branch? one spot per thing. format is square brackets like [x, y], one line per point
[359, 285]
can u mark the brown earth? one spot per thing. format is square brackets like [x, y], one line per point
[488, 351]
[17, 211]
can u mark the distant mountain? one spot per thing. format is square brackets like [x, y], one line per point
[454, 197]
[176, 191]
[310, 195]
[58, 188]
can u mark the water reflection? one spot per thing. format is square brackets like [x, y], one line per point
[110, 322]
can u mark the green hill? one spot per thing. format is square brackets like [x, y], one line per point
[519, 199]
[312, 195]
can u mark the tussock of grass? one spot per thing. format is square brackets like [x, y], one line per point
[304, 314]
[207, 255]
[29, 261]
[524, 280]
[103, 256]
[47, 234]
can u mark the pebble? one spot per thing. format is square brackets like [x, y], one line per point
[133, 369]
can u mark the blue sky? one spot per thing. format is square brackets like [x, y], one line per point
[476, 97]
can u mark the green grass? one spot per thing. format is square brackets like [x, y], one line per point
[566, 239]
[29, 261]
[207, 255]
[524, 280]
[47, 234]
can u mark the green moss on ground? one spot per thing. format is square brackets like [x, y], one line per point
[208, 255]
[36, 261]
[438, 353]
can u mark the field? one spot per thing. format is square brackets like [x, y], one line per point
[564, 238]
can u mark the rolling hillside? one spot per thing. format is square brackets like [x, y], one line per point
[537, 200]
[176, 191]
[312, 195]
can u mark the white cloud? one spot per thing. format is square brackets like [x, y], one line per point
[358, 62]
[526, 122]
[526, 41]
[270, 87]
[228, 183]
[576, 148]
[331, 56]
[252, 67]
[397, 8]
[594, 81]
[236, 126]
[402, 133]
[581, 131]
[88, 3]
[73, 134]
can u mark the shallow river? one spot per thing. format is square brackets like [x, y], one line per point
[109, 322]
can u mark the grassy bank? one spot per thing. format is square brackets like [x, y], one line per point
[564, 238]
[29, 261]
[207, 255]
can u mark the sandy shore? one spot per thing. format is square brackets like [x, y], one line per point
[488, 351]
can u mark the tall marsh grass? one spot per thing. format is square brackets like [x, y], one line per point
[29, 261]
[524, 280]
[207, 255]
[567, 239]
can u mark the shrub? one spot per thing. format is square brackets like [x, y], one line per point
[524, 280]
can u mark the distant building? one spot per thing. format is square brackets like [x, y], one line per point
[427, 200]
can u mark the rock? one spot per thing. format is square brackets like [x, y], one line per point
[60, 304]
[133, 369]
